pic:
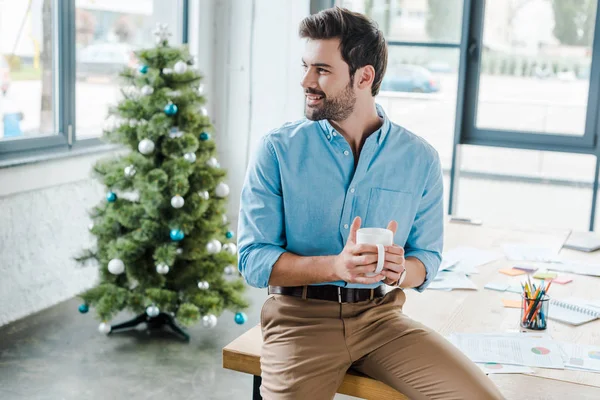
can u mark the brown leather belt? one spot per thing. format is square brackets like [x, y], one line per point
[329, 292]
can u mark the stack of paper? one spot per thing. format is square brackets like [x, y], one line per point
[580, 357]
[467, 259]
[575, 268]
[525, 252]
[496, 368]
[449, 280]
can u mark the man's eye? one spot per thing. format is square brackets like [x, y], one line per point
[321, 70]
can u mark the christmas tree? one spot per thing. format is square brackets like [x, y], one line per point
[163, 248]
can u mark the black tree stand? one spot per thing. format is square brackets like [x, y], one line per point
[152, 324]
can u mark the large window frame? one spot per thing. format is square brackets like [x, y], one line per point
[64, 139]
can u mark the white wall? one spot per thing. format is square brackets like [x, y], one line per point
[249, 53]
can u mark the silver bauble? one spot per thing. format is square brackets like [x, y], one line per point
[209, 321]
[167, 71]
[190, 157]
[229, 270]
[147, 90]
[203, 285]
[129, 171]
[152, 311]
[201, 89]
[214, 246]
[203, 111]
[204, 195]
[177, 201]
[180, 67]
[230, 248]
[162, 268]
[212, 162]
[179, 251]
[146, 146]
[116, 266]
[104, 328]
[175, 133]
[222, 190]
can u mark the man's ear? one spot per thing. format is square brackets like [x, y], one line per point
[365, 76]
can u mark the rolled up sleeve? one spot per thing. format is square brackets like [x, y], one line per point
[426, 238]
[261, 235]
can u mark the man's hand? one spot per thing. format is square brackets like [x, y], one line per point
[394, 259]
[356, 260]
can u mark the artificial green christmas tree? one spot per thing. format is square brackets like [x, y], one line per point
[163, 245]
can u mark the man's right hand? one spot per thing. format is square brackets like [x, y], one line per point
[356, 260]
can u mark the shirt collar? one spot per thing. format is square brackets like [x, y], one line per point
[330, 132]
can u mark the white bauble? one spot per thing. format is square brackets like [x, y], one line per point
[222, 190]
[152, 311]
[129, 171]
[204, 195]
[175, 133]
[230, 248]
[180, 67]
[104, 328]
[209, 321]
[190, 157]
[214, 246]
[229, 270]
[201, 89]
[146, 146]
[116, 266]
[179, 251]
[147, 90]
[225, 220]
[162, 268]
[167, 71]
[177, 201]
[212, 162]
[203, 111]
[203, 285]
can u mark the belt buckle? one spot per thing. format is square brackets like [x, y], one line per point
[339, 288]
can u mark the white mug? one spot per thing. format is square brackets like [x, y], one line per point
[380, 237]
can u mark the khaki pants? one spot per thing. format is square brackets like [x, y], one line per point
[310, 344]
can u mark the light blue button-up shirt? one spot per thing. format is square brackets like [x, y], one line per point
[302, 191]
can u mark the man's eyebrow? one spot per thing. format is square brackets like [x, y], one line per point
[318, 64]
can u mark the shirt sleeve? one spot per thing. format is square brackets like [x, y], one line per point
[261, 235]
[426, 237]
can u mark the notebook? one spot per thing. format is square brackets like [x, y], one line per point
[573, 310]
[583, 241]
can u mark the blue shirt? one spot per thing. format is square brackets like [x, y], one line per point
[302, 191]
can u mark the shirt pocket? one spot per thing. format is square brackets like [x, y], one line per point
[385, 205]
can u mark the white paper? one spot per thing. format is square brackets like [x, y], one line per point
[525, 252]
[580, 356]
[575, 268]
[445, 280]
[496, 368]
[507, 349]
[467, 259]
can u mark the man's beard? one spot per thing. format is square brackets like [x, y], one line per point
[337, 108]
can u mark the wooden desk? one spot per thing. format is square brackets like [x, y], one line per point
[477, 311]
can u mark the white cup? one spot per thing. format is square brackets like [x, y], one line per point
[380, 237]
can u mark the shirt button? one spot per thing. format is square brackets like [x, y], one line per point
[346, 152]
[352, 190]
[328, 137]
[334, 133]
[345, 226]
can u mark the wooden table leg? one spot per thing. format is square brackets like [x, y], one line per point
[256, 388]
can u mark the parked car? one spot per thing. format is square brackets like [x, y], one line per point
[104, 60]
[4, 75]
[410, 78]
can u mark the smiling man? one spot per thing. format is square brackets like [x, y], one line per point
[310, 186]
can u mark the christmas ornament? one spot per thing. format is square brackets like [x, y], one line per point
[146, 146]
[129, 171]
[152, 311]
[143, 69]
[147, 90]
[180, 67]
[229, 235]
[204, 136]
[170, 109]
[203, 285]
[229, 270]
[111, 197]
[176, 235]
[204, 194]
[190, 157]
[83, 308]
[222, 190]
[177, 201]
[116, 266]
[214, 246]
[212, 162]
[104, 328]
[209, 321]
[162, 268]
[167, 71]
[224, 218]
[201, 89]
[203, 111]
[179, 251]
[175, 133]
[161, 33]
[230, 248]
[240, 318]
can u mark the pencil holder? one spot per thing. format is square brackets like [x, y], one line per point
[534, 312]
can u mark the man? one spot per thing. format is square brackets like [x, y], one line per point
[309, 188]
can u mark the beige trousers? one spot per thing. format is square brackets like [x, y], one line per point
[310, 344]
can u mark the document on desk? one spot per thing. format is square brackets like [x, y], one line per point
[496, 368]
[467, 259]
[448, 280]
[526, 252]
[575, 268]
[580, 356]
[504, 349]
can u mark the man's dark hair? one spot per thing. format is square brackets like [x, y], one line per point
[361, 41]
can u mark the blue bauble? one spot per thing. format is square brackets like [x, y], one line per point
[83, 308]
[170, 109]
[229, 235]
[204, 136]
[240, 318]
[176, 235]
[111, 197]
[143, 69]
